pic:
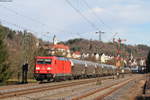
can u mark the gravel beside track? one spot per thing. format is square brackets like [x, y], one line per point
[103, 90]
[7, 89]
[16, 86]
[43, 87]
[73, 91]
[42, 94]
[124, 92]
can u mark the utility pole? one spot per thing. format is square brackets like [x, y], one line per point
[26, 45]
[100, 35]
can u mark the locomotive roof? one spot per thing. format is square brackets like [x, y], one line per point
[46, 57]
[51, 57]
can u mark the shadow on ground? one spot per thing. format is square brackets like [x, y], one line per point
[143, 98]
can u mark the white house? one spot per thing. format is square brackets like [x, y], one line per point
[76, 55]
[105, 58]
[97, 56]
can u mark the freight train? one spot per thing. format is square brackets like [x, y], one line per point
[61, 68]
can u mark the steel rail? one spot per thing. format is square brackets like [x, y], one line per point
[118, 85]
[46, 88]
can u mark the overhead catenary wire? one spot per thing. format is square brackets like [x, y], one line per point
[58, 29]
[22, 15]
[22, 28]
[34, 20]
[18, 26]
[85, 18]
[96, 16]
[82, 15]
[15, 12]
[100, 20]
[27, 29]
[37, 21]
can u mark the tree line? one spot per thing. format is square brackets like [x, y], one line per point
[16, 47]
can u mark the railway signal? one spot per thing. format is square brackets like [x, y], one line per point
[118, 41]
[118, 52]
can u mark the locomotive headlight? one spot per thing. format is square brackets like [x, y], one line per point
[48, 68]
[37, 68]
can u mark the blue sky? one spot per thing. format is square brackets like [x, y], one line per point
[129, 18]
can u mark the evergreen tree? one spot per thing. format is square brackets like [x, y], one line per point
[4, 66]
[148, 63]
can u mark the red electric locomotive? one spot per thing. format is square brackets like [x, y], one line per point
[49, 68]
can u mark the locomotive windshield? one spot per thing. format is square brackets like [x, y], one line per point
[44, 61]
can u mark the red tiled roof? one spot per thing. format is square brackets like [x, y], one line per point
[77, 53]
[60, 46]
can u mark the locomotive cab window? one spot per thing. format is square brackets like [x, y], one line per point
[44, 61]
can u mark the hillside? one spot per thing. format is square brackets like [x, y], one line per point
[94, 46]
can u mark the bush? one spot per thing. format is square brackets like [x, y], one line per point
[4, 66]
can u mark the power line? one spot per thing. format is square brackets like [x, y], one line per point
[99, 19]
[82, 15]
[96, 16]
[91, 23]
[34, 20]
[30, 30]
[18, 26]
[15, 12]
[61, 30]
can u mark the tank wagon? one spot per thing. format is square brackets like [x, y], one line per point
[57, 68]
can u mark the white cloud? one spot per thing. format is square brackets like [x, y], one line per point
[127, 14]
[97, 10]
[132, 14]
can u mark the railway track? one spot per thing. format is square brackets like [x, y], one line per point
[101, 93]
[47, 87]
